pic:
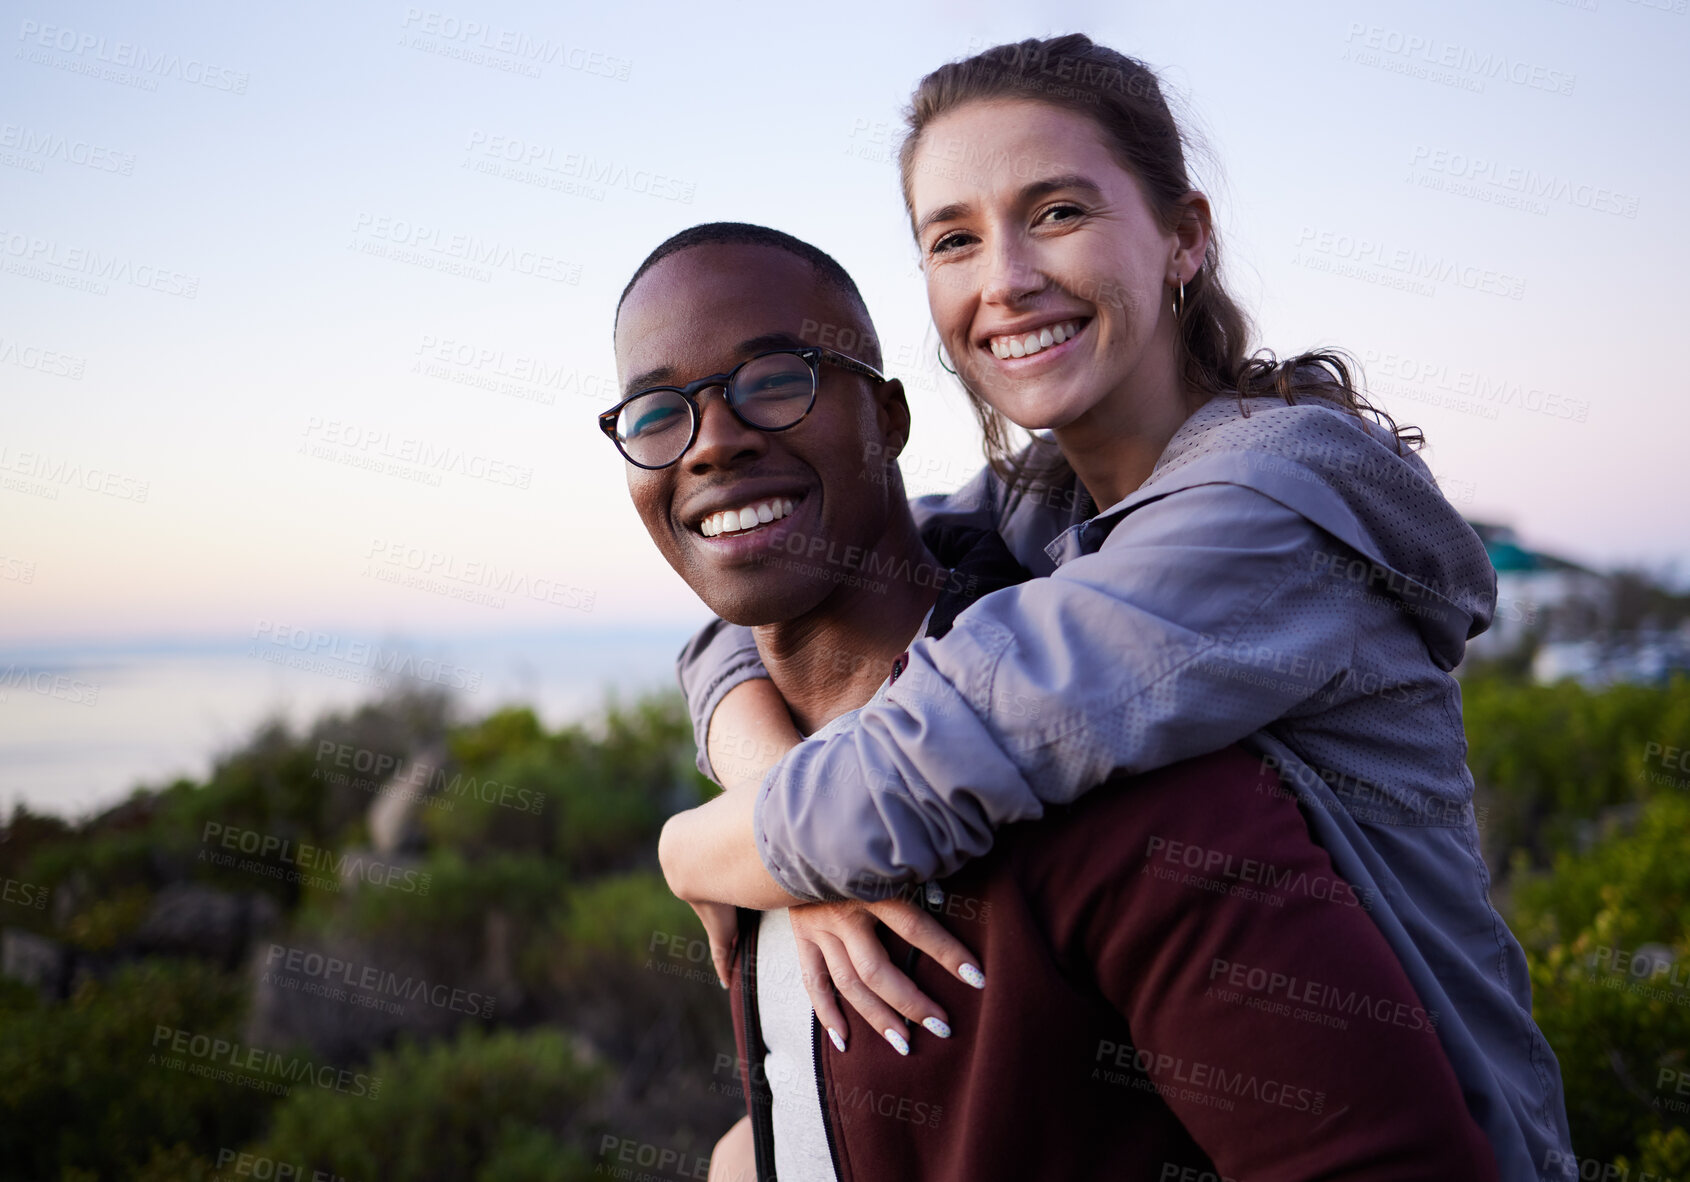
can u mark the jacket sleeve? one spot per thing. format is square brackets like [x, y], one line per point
[723, 655]
[1205, 616]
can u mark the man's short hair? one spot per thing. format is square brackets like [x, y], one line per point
[827, 268]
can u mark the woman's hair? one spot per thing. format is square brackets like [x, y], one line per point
[1123, 96]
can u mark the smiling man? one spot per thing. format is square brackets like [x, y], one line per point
[1131, 1027]
[770, 492]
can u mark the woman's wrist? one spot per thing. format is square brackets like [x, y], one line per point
[709, 855]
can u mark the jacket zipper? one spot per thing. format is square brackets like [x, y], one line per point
[758, 1100]
[821, 1095]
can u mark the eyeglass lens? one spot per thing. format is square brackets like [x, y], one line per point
[770, 392]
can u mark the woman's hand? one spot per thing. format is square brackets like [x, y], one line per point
[839, 949]
[721, 926]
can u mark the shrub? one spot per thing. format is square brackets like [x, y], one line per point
[1608, 937]
[507, 1106]
[83, 1087]
[1547, 760]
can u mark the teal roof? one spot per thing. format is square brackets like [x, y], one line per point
[1506, 556]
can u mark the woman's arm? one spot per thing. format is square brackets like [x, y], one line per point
[748, 732]
[1206, 615]
[708, 856]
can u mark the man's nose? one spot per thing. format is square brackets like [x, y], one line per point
[722, 439]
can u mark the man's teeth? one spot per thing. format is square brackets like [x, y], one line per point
[730, 521]
[1026, 344]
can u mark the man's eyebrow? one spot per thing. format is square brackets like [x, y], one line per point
[651, 377]
[769, 340]
[664, 375]
[1032, 191]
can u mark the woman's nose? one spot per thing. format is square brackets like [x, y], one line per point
[1010, 276]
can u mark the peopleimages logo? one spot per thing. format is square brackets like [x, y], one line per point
[394, 772]
[466, 248]
[229, 1062]
[129, 56]
[38, 257]
[304, 859]
[329, 652]
[370, 986]
[1406, 262]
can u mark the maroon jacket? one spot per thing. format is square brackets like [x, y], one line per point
[1178, 987]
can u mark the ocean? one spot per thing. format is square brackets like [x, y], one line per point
[82, 726]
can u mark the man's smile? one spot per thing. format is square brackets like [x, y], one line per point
[749, 517]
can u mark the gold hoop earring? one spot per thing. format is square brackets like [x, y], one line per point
[1179, 300]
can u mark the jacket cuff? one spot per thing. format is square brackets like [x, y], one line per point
[720, 657]
[786, 876]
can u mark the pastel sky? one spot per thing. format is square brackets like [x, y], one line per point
[246, 379]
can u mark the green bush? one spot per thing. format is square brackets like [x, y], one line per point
[502, 1107]
[84, 1087]
[1594, 929]
[460, 894]
[616, 919]
[1548, 759]
[606, 791]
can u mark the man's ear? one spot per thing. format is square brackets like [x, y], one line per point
[892, 417]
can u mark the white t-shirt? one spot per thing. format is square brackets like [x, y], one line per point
[786, 1017]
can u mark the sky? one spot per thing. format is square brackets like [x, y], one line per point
[250, 386]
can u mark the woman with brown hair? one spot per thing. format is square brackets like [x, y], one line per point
[1272, 565]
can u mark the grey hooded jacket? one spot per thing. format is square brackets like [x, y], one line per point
[1285, 578]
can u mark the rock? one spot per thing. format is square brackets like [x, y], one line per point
[35, 960]
[395, 816]
[343, 998]
[189, 919]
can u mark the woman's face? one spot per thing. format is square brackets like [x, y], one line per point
[1047, 273]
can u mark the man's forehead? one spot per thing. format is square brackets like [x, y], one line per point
[712, 298]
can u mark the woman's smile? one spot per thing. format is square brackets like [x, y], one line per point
[1048, 339]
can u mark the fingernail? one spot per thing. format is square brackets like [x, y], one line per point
[897, 1041]
[935, 895]
[937, 1027]
[972, 975]
[721, 982]
[838, 1041]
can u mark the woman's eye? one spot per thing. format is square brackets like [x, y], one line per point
[1061, 213]
[948, 242]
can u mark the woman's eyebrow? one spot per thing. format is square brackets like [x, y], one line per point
[945, 213]
[1069, 180]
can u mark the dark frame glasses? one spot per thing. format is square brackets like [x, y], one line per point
[751, 403]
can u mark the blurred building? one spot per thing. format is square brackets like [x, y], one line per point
[1562, 619]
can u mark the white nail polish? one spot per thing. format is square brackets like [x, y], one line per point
[897, 1040]
[935, 895]
[972, 975]
[935, 1026]
[838, 1041]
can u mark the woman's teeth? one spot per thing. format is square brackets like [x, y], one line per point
[1026, 344]
[733, 521]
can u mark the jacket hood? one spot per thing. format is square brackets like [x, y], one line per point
[1348, 476]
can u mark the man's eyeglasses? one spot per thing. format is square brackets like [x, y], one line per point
[771, 392]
